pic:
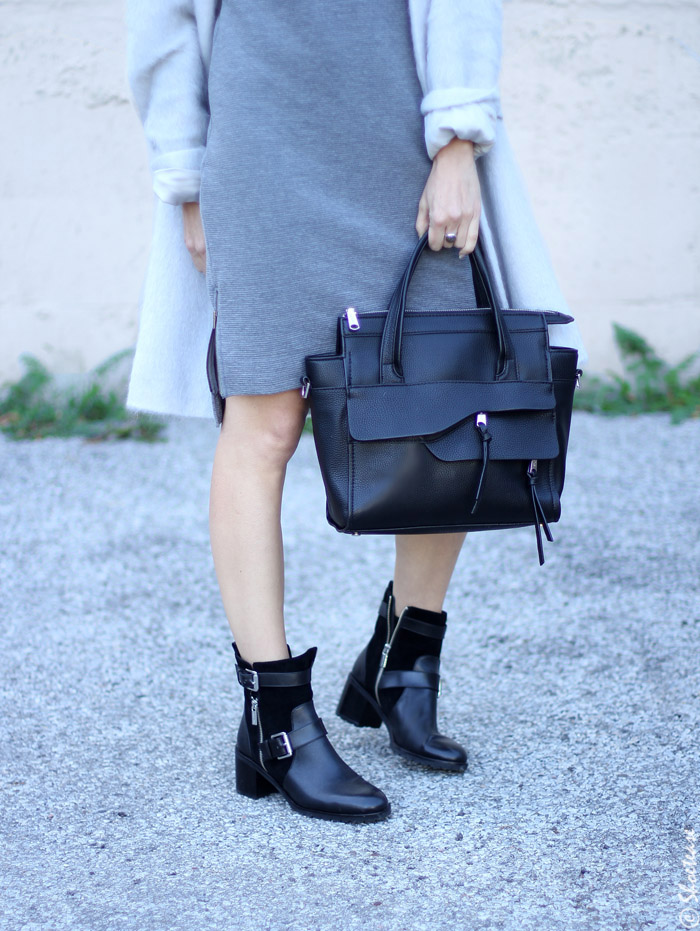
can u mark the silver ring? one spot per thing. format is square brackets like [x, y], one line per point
[450, 237]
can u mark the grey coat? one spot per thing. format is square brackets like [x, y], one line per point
[457, 47]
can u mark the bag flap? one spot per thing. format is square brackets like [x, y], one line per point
[514, 435]
[383, 412]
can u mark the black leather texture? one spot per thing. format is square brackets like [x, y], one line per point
[432, 421]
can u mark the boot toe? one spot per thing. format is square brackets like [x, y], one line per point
[362, 798]
[445, 750]
[351, 797]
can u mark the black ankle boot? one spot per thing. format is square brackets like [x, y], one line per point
[282, 746]
[396, 680]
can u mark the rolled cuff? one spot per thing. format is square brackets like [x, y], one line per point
[177, 175]
[473, 121]
[177, 185]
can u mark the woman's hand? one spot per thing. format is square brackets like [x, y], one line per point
[451, 199]
[194, 235]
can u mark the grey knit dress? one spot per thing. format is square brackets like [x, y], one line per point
[315, 162]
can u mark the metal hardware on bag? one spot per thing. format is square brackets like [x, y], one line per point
[306, 386]
[482, 420]
[283, 737]
[579, 373]
[351, 315]
[532, 468]
[385, 654]
[253, 710]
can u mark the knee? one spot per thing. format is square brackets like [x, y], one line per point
[277, 437]
[266, 428]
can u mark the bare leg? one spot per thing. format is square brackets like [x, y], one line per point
[258, 437]
[424, 567]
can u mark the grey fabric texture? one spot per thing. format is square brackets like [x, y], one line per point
[311, 207]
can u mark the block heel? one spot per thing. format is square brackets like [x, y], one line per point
[249, 781]
[355, 708]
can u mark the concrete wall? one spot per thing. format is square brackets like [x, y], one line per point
[602, 103]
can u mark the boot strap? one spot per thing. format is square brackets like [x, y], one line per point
[282, 745]
[253, 680]
[409, 678]
[437, 631]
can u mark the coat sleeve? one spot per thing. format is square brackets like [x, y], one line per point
[168, 82]
[462, 65]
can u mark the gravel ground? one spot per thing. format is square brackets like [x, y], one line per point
[575, 687]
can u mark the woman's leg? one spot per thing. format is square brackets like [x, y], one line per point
[281, 743]
[423, 569]
[258, 436]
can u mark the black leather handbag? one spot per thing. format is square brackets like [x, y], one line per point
[447, 420]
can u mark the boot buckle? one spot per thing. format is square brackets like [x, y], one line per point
[248, 678]
[280, 741]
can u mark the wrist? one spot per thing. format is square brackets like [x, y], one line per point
[462, 147]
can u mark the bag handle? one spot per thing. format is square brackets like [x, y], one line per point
[390, 353]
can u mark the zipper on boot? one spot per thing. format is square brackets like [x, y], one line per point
[386, 649]
[255, 721]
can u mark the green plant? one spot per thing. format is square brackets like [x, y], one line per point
[36, 406]
[648, 383]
